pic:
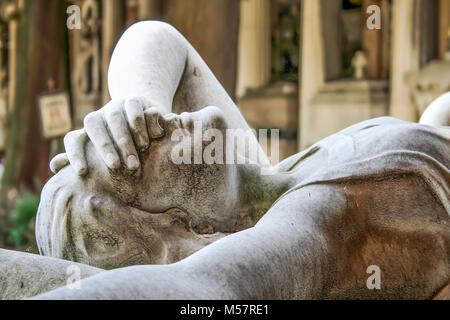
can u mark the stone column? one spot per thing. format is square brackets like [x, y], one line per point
[254, 53]
[386, 27]
[12, 16]
[372, 43]
[113, 25]
[405, 58]
[414, 39]
[332, 38]
[312, 64]
[132, 12]
[444, 28]
[149, 10]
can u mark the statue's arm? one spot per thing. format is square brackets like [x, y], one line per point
[153, 69]
[24, 275]
[286, 255]
[154, 61]
[317, 242]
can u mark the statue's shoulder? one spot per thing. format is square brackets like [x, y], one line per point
[386, 123]
[377, 149]
[374, 138]
[387, 133]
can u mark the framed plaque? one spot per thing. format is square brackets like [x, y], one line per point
[54, 110]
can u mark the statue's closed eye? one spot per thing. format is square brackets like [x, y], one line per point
[106, 238]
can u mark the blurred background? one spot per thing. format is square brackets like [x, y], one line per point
[307, 67]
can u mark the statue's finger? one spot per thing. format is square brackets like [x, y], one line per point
[135, 116]
[118, 127]
[74, 143]
[98, 134]
[58, 162]
[152, 116]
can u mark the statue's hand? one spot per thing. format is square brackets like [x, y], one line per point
[125, 125]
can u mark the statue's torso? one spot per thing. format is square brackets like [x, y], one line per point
[379, 194]
[377, 148]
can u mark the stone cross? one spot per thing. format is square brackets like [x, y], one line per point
[359, 63]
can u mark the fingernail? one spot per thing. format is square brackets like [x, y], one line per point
[81, 171]
[143, 147]
[54, 167]
[112, 161]
[156, 131]
[142, 141]
[132, 162]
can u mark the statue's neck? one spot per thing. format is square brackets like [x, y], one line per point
[258, 191]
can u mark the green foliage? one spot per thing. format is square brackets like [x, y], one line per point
[22, 220]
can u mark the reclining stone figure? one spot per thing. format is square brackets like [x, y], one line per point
[374, 194]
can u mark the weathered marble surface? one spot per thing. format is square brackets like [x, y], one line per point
[376, 193]
[24, 275]
[358, 198]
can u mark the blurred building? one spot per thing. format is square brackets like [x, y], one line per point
[347, 72]
[307, 67]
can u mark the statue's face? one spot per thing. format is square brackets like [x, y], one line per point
[202, 190]
[100, 230]
[158, 215]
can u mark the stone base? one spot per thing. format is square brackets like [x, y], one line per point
[274, 107]
[343, 103]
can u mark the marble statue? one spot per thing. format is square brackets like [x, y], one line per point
[139, 226]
